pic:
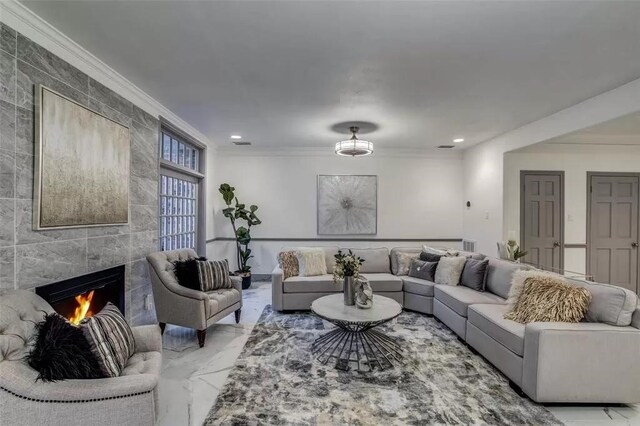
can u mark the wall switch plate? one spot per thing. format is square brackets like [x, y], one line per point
[486, 215]
[148, 302]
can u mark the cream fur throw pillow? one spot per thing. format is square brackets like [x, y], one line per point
[311, 262]
[449, 270]
[548, 299]
[517, 283]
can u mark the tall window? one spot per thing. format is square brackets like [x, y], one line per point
[181, 197]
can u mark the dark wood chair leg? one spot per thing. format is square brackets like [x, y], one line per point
[162, 326]
[202, 334]
[238, 312]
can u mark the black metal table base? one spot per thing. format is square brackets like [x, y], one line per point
[357, 346]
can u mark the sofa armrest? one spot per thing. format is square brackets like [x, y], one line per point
[581, 363]
[147, 338]
[276, 289]
[20, 379]
[237, 283]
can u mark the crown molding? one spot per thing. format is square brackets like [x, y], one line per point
[26, 22]
[254, 151]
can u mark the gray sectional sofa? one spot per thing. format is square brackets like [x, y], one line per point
[595, 361]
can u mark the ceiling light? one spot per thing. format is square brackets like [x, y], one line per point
[458, 140]
[354, 147]
[236, 137]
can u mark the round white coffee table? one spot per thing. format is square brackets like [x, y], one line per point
[355, 342]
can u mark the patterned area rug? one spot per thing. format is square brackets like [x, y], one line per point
[276, 380]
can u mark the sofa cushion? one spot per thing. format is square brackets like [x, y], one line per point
[220, 300]
[325, 284]
[458, 298]
[610, 304]
[499, 275]
[317, 284]
[418, 286]
[384, 282]
[394, 260]
[376, 260]
[490, 320]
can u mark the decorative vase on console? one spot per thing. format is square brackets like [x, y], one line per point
[347, 269]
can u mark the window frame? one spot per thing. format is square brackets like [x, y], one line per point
[168, 168]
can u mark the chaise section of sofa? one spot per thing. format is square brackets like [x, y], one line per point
[594, 361]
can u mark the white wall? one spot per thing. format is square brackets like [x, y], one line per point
[419, 196]
[483, 163]
[575, 161]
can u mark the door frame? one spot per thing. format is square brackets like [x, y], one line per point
[588, 230]
[559, 173]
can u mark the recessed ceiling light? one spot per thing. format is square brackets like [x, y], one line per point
[458, 140]
[236, 137]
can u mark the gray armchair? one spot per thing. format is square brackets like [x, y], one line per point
[130, 399]
[186, 307]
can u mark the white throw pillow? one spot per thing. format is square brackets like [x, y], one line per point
[449, 270]
[403, 260]
[439, 252]
[311, 262]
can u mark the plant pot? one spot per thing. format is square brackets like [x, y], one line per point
[246, 281]
[349, 290]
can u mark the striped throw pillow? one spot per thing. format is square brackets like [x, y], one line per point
[214, 275]
[110, 339]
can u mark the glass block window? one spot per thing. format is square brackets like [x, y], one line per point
[181, 153]
[178, 212]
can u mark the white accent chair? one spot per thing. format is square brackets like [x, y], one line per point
[179, 305]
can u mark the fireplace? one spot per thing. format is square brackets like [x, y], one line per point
[86, 295]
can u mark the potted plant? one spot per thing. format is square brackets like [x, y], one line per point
[241, 233]
[347, 268]
[513, 249]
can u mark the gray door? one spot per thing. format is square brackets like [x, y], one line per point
[612, 253]
[541, 219]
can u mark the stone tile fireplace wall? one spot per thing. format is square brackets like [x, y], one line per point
[31, 258]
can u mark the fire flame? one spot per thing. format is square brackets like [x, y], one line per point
[82, 310]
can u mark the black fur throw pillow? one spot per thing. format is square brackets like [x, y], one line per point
[187, 273]
[62, 352]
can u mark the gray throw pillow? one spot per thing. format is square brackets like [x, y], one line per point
[474, 274]
[430, 257]
[423, 270]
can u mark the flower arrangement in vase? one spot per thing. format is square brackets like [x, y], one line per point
[347, 268]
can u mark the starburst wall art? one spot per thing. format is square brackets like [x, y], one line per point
[347, 204]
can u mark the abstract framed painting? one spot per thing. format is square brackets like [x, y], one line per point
[347, 204]
[81, 173]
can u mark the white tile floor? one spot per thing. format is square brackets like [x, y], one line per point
[192, 377]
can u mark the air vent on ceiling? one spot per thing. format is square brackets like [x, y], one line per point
[445, 146]
[241, 143]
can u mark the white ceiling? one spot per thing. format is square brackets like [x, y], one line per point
[281, 74]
